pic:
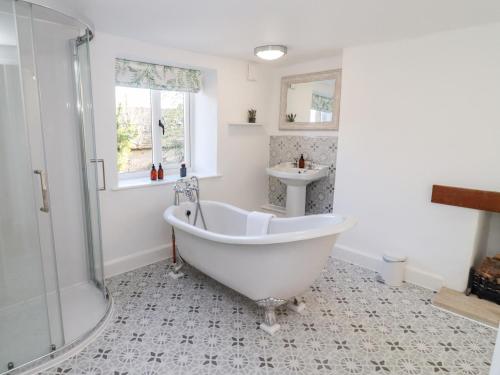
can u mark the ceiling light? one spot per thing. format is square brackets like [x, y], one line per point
[270, 52]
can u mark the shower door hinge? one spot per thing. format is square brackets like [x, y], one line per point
[10, 365]
[88, 36]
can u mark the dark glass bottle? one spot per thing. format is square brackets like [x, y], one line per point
[160, 172]
[183, 170]
[302, 162]
[154, 174]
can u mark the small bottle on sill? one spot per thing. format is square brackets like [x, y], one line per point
[154, 174]
[160, 172]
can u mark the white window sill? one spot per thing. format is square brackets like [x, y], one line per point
[141, 182]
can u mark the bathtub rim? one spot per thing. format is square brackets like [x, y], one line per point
[326, 230]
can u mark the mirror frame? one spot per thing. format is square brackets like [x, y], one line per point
[335, 74]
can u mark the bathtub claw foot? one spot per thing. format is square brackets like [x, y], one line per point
[176, 274]
[296, 306]
[269, 304]
[269, 326]
[178, 266]
[270, 329]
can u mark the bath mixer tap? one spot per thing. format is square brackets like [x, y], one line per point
[190, 188]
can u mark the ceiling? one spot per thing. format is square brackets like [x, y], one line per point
[310, 28]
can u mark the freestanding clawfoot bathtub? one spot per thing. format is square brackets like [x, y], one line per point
[270, 269]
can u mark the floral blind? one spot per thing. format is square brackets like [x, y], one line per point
[158, 77]
[321, 103]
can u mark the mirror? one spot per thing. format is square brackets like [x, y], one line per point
[310, 101]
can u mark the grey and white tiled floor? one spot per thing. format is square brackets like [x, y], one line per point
[352, 325]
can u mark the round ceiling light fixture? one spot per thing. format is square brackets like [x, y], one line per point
[270, 52]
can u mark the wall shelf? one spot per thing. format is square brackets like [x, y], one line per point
[248, 124]
[469, 198]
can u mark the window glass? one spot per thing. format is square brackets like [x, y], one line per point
[173, 144]
[320, 116]
[133, 126]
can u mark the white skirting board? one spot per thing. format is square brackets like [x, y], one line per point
[413, 275]
[370, 261]
[137, 260]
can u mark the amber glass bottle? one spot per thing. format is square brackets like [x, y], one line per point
[160, 172]
[302, 162]
[154, 174]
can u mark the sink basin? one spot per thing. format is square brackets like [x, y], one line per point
[290, 175]
[296, 180]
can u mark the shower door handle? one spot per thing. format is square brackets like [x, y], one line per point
[103, 173]
[45, 192]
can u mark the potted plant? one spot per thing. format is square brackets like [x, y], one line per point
[291, 117]
[252, 116]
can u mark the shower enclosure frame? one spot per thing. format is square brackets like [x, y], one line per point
[82, 42]
[92, 230]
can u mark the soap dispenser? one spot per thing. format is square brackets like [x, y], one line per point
[183, 170]
[154, 174]
[160, 172]
[302, 162]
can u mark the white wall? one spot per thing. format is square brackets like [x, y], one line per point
[132, 224]
[416, 113]
[204, 127]
[493, 234]
[495, 361]
[488, 236]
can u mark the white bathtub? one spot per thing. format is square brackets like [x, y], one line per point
[269, 269]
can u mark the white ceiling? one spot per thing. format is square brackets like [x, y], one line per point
[310, 28]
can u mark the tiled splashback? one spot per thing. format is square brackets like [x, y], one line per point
[320, 150]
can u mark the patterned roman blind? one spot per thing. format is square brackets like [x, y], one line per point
[158, 77]
[321, 103]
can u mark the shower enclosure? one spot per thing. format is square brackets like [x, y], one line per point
[52, 293]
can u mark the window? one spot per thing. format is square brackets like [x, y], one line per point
[320, 116]
[152, 116]
[321, 108]
[174, 115]
[133, 128]
[141, 140]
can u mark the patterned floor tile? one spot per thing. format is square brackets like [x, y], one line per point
[352, 325]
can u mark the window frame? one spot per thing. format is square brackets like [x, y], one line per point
[156, 137]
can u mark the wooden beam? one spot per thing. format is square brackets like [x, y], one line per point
[470, 198]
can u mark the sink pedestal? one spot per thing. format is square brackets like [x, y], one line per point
[295, 200]
[296, 181]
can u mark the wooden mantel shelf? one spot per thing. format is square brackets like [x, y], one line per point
[470, 198]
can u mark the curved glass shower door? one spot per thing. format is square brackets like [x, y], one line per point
[51, 276]
[62, 61]
[26, 251]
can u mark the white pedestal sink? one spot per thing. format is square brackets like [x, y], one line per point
[296, 181]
